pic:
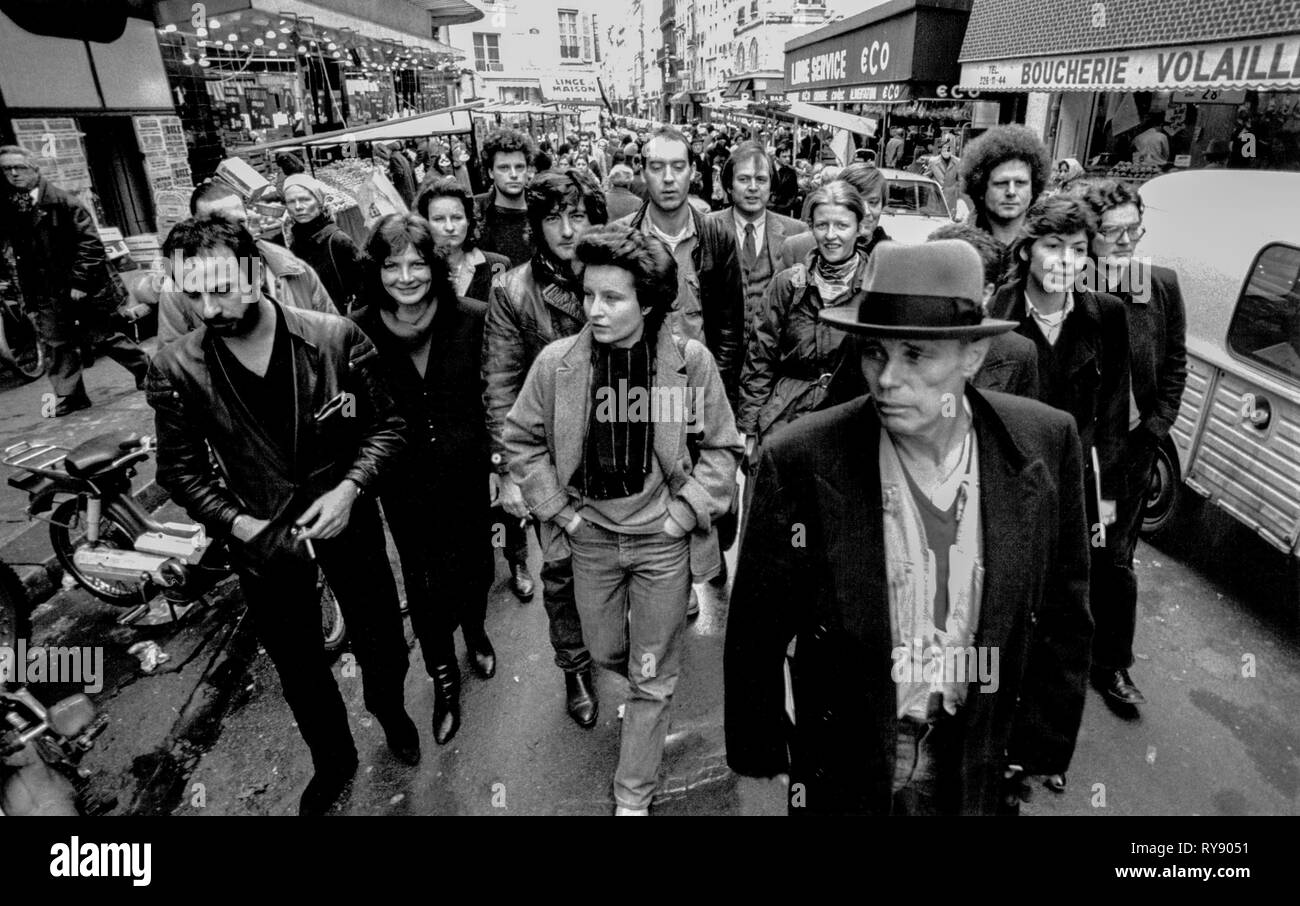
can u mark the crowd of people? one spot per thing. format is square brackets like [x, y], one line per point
[944, 447]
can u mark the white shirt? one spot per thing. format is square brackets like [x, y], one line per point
[760, 230]
[1050, 325]
[672, 240]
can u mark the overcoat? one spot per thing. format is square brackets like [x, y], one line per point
[812, 566]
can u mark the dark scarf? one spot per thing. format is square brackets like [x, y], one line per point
[617, 451]
[305, 233]
[557, 283]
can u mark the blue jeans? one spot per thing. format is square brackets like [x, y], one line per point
[632, 592]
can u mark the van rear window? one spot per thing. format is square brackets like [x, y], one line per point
[1265, 327]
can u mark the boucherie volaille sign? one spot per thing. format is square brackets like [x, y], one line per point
[1266, 63]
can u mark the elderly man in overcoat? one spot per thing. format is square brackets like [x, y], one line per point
[925, 547]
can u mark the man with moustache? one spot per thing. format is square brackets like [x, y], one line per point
[933, 518]
[293, 407]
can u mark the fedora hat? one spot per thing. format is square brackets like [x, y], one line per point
[930, 291]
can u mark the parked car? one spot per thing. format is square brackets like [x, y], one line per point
[1233, 238]
[914, 207]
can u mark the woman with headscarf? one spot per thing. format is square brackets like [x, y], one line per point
[317, 239]
[430, 341]
[1068, 171]
[792, 356]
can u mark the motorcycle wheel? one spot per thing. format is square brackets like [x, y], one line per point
[20, 343]
[67, 534]
[333, 629]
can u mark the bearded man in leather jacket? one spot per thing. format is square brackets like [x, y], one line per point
[302, 428]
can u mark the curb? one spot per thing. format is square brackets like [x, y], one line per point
[33, 558]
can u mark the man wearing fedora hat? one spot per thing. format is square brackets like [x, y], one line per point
[925, 546]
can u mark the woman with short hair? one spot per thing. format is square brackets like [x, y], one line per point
[792, 355]
[623, 443]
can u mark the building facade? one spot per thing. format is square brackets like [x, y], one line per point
[527, 52]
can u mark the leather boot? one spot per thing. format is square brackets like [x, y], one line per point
[481, 653]
[521, 583]
[446, 702]
[403, 737]
[581, 694]
[326, 786]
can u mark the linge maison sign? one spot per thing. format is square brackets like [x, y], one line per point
[1267, 63]
[571, 88]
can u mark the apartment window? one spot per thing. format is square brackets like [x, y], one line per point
[595, 37]
[569, 47]
[586, 37]
[487, 52]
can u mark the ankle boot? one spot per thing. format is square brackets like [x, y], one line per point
[446, 702]
[326, 787]
[581, 694]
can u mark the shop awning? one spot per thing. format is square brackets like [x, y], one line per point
[1156, 45]
[681, 97]
[862, 125]
[450, 12]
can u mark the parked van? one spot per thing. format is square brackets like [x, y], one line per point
[1233, 238]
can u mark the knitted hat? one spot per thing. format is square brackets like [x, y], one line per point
[312, 185]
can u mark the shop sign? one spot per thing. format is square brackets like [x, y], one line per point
[878, 53]
[893, 91]
[1268, 63]
[1209, 96]
[570, 87]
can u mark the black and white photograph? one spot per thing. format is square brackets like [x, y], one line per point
[652, 408]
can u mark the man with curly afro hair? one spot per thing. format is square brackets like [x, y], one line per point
[1003, 171]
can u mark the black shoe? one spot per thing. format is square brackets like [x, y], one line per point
[1118, 686]
[482, 655]
[581, 693]
[71, 403]
[720, 579]
[326, 787]
[446, 702]
[403, 738]
[521, 583]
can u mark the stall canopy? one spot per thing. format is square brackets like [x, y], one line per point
[1153, 45]
[862, 125]
[448, 121]
[444, 123]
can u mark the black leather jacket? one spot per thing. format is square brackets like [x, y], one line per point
[722, 294]
[358, 441]
[522, 318]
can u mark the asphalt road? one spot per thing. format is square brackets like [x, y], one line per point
[1217, 648]
[1218, 659]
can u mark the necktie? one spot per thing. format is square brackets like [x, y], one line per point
[749, 252]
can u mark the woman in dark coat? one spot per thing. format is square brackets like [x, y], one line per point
[449, 209]
[318, 240]
[430, 342]
[792, 356]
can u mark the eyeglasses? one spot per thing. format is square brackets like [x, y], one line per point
[1135, 232]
